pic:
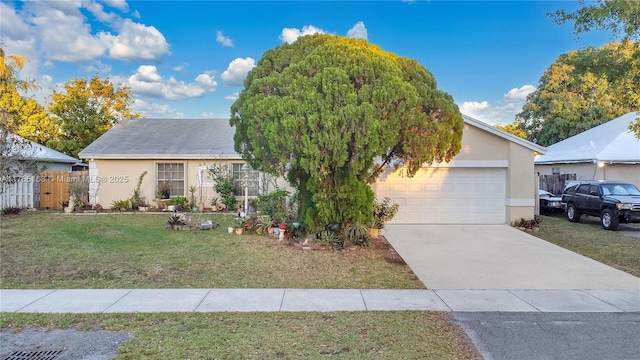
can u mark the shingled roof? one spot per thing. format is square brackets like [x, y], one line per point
[165, 139]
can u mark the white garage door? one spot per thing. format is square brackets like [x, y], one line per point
[447, 196]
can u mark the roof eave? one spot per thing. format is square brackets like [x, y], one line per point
[159, 156]
[505, 135]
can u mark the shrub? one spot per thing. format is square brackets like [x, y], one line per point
[273, 204]
[179, 201]
[383, 212]
[12, 210]
[120, 204]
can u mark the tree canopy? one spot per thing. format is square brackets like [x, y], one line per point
[332, 113]
[617, 16]
[14, 151]
[86, 109]
[583, 89]
[513, 129]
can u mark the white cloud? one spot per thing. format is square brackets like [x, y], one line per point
[100, 67]
[12, 27]
[150, 109]
[97, 10]
[118, 4]
[207, 82]
[358, 31]
[136, 42]
[290, 35]
[207, 115]
[63, 32]
[232, 97]
[223, 40]
[474, 105]
[499, 112]
[521, 93]
[148, 82]
[237, 71]
[60, 31]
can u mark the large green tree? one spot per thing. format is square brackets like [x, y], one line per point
[583, 89]
[86, 109]
[620, 17]
[331, 113]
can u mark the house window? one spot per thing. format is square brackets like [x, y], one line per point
[555, 171]
[237, 174]
[171, 176]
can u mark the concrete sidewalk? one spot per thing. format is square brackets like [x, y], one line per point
[262, 300]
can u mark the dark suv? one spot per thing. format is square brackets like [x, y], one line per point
[613, 202]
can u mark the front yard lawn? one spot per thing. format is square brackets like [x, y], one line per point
[619, 249]
[54, 250]
[344, 335]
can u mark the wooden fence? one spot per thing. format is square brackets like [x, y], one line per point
[555, 183]
[55, 187]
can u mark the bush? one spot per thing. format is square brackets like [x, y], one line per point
[273, 204]
[120, 204]
[383, 212]
[180, 201]
[12, 210]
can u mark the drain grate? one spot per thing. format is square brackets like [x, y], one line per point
[46, 354]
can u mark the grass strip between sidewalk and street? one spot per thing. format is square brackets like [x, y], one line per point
[345, 335]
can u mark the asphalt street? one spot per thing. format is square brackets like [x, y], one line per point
[546, 336]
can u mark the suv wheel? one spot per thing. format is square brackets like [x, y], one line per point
[573, 214]
[608, 220]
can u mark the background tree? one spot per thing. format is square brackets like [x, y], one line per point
[28, 118]
[14, 151]
[617, 16]
[323, 109]
[583, 89]
[513, 129]
[86, 109]
[620, 17]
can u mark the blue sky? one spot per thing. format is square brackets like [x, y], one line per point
[188, 58]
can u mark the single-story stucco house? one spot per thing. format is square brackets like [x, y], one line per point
[491, 180]
[24, 192]
[609, 151]
[175, 152]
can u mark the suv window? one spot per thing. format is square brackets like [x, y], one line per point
[583, 189]
[594, 190]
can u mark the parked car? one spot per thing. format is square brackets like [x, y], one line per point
[549, 202]
[613, 202]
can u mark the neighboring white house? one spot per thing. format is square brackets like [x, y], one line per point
[23, 192]
[606, 152]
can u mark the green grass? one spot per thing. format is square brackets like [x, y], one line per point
[54, 250]
[344, 335]
[615, 248]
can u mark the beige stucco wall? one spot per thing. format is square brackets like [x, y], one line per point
[483, 149]
[478, 144]
[117, 179]
[591, 171]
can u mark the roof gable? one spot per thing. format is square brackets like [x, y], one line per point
[503, 134]
[165, 139]
[611, 142]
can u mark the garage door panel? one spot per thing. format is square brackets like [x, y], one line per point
[448, 196]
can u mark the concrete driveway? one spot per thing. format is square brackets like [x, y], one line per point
[497, 257]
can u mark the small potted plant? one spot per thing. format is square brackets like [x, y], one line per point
[383, 212]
